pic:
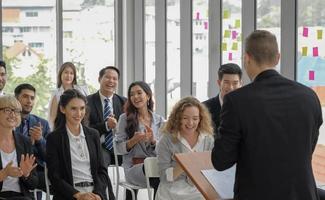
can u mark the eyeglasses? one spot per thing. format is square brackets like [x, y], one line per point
[8, 110]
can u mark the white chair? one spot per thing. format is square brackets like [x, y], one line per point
[119, 182]
[152, 171]
[47, 187]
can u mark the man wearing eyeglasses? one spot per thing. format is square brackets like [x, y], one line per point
[3, 76]
[33, 127]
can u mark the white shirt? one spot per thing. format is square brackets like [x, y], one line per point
[102, 99]
[10, 183]
[80, 160]
[220, 100]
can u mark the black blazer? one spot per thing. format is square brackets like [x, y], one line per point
[270, 128]
[96, 120]
[24, 146]
[59, 164]
[214, 107]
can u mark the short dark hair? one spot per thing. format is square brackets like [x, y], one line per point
[229, 68]
[24, 86]
[102, 71]
[3, 64]
[262, 46]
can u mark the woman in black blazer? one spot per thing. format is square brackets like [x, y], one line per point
[74, 158]
[17, 176]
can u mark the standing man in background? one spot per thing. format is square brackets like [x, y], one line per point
[3, 76]
[229, 79]
[269, 128]
[33, 127]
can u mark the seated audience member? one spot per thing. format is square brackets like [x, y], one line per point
[137, 134]
[66, 79]
[34, 128]
[74, 158]
[188, 129]
[321, 194]
[17, 176]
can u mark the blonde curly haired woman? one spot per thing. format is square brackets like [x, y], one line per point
[188, 129]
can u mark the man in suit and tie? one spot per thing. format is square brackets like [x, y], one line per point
[33, 127]
[3, 76]
[269, 128]
[105, 109]
[229, 79]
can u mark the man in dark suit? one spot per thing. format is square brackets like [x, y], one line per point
[33, 127]
[229, 79]
[108, 80]
[269, 128]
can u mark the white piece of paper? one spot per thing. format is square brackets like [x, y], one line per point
[222, 181]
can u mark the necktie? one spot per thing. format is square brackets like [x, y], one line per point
[25, 127]
[108, 143]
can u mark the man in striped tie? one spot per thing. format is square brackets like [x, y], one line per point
[105, 108]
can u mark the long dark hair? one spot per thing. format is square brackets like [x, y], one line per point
[65, 98]
[132, 112]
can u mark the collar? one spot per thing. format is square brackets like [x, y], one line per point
[81, 134]
[220, 100]
[102, 97]
[185, 143]
[266, 74]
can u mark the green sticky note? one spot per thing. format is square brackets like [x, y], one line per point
[319, 34]
[224, 46]
[234, 46]
[237, 23]
[304, 51]
[227, 34]
[226, 14]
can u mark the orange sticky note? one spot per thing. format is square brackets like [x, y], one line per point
[319, 34]
[224, 46]
[304, 51]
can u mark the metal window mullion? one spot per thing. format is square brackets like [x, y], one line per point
[59, 34]
[139, 40]
[1, 35]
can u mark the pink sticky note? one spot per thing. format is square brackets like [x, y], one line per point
[230, 56]
[305, 32]
[205, 25]
[197, 15]
[233, 35]
[311, 75]
[315, 51]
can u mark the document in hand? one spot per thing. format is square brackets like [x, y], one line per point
[222, 182]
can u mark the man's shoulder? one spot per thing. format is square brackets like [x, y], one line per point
[120, 98]
[212, 102]
[37, 118]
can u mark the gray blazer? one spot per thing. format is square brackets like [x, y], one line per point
[167, 148]
[134, 173]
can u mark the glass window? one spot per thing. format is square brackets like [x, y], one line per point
[30, 55]
[200, 49]
[231, 31]
[150, 27]
[311, 50]
[269, 18]
[88, 41]
[173, 53]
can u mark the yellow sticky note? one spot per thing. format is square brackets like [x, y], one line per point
[224, 46]
[227, 34]
[304, 51]
[319, 34]
[234, 46]
[237, 23]
[226, 14]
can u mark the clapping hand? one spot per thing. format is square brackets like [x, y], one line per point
[111, 121]
[12, 171]
[27, 164]
[36, 132]
[149, 134]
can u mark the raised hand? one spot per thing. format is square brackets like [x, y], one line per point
[139, 136]
[27, 164]
[111, 121]
[149, 134]
[36, 132]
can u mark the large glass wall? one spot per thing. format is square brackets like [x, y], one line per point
[150, 43]
[29, 47]
[200, 48]
[88, 37]
[231, 31]
[173, 53]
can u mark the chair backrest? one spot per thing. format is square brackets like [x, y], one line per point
[151, 170]
[47, 182]
[151, 167]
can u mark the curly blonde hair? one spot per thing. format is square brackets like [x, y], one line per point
[173, 123]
